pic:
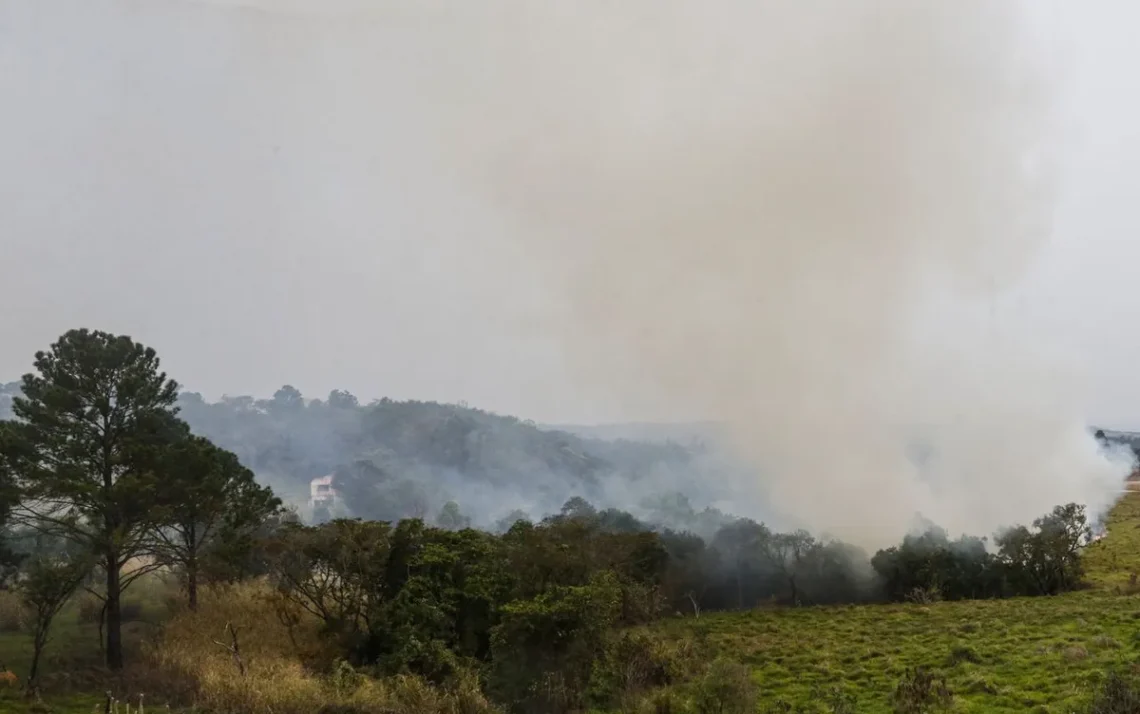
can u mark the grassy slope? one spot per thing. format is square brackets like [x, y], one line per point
[1025, 654]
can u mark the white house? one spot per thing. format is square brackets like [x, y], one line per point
[321, 492]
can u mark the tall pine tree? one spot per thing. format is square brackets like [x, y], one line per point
[91, 430]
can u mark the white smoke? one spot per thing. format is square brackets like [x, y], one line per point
[789, 217]
[793, 217]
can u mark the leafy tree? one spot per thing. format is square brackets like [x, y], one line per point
[338, 572]
[742, 546]
[288, 398]
[210, 503]
[451, 518]
[94, 421]
[1046, 560]
[544, 648]
[789, 553]
[515, 516]
[578, 507]
[48, 582]
[340, 399]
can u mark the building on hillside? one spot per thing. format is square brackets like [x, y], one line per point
[322, 493]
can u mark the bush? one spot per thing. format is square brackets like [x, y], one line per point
[14, 615]
[629, 664]
[919, 691]
[1117, 695]
[90, 608]
[186, 668]
[727, 688]
[963, 653]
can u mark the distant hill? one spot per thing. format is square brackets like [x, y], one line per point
[395, 459]
[653, 432]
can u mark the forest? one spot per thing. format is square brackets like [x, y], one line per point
[109, 475]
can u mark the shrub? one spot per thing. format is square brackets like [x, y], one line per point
[186, 668]
[919, 691]
[1117, 695]
[1105, 642]
[963, 653]
[90, 608]
[727, 688]
[14, 615]
[629, 664]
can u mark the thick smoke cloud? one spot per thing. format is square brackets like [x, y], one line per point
[793, 217]
[787, 217]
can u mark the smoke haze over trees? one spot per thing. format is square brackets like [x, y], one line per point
[393, 460]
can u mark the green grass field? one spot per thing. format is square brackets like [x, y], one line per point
[1024, 654]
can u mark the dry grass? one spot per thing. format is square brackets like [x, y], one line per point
[188, 666]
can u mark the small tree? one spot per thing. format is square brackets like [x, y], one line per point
[210, 502]
[47, 584]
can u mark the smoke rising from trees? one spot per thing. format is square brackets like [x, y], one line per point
[787, 218]
[794, 218]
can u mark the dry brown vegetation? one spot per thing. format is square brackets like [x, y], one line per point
[282, 669]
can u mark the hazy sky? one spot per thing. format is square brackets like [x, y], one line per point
[247, 187]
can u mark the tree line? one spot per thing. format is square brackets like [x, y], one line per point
[536, 607]
[98, 474]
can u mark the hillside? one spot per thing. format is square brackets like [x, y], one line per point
[396, 459]
[1043, 654]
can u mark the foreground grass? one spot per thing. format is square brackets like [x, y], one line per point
[1043, 654]
[1024, 654]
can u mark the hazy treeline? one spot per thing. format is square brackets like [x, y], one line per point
[405, 459]
[395, 459]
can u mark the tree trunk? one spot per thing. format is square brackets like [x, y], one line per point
[114, 615]
[102, 629]
[38, 643]
[192, 567]
[192, 583]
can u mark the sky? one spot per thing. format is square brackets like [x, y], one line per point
[251, 188]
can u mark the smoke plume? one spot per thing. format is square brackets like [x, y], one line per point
[792, 218]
